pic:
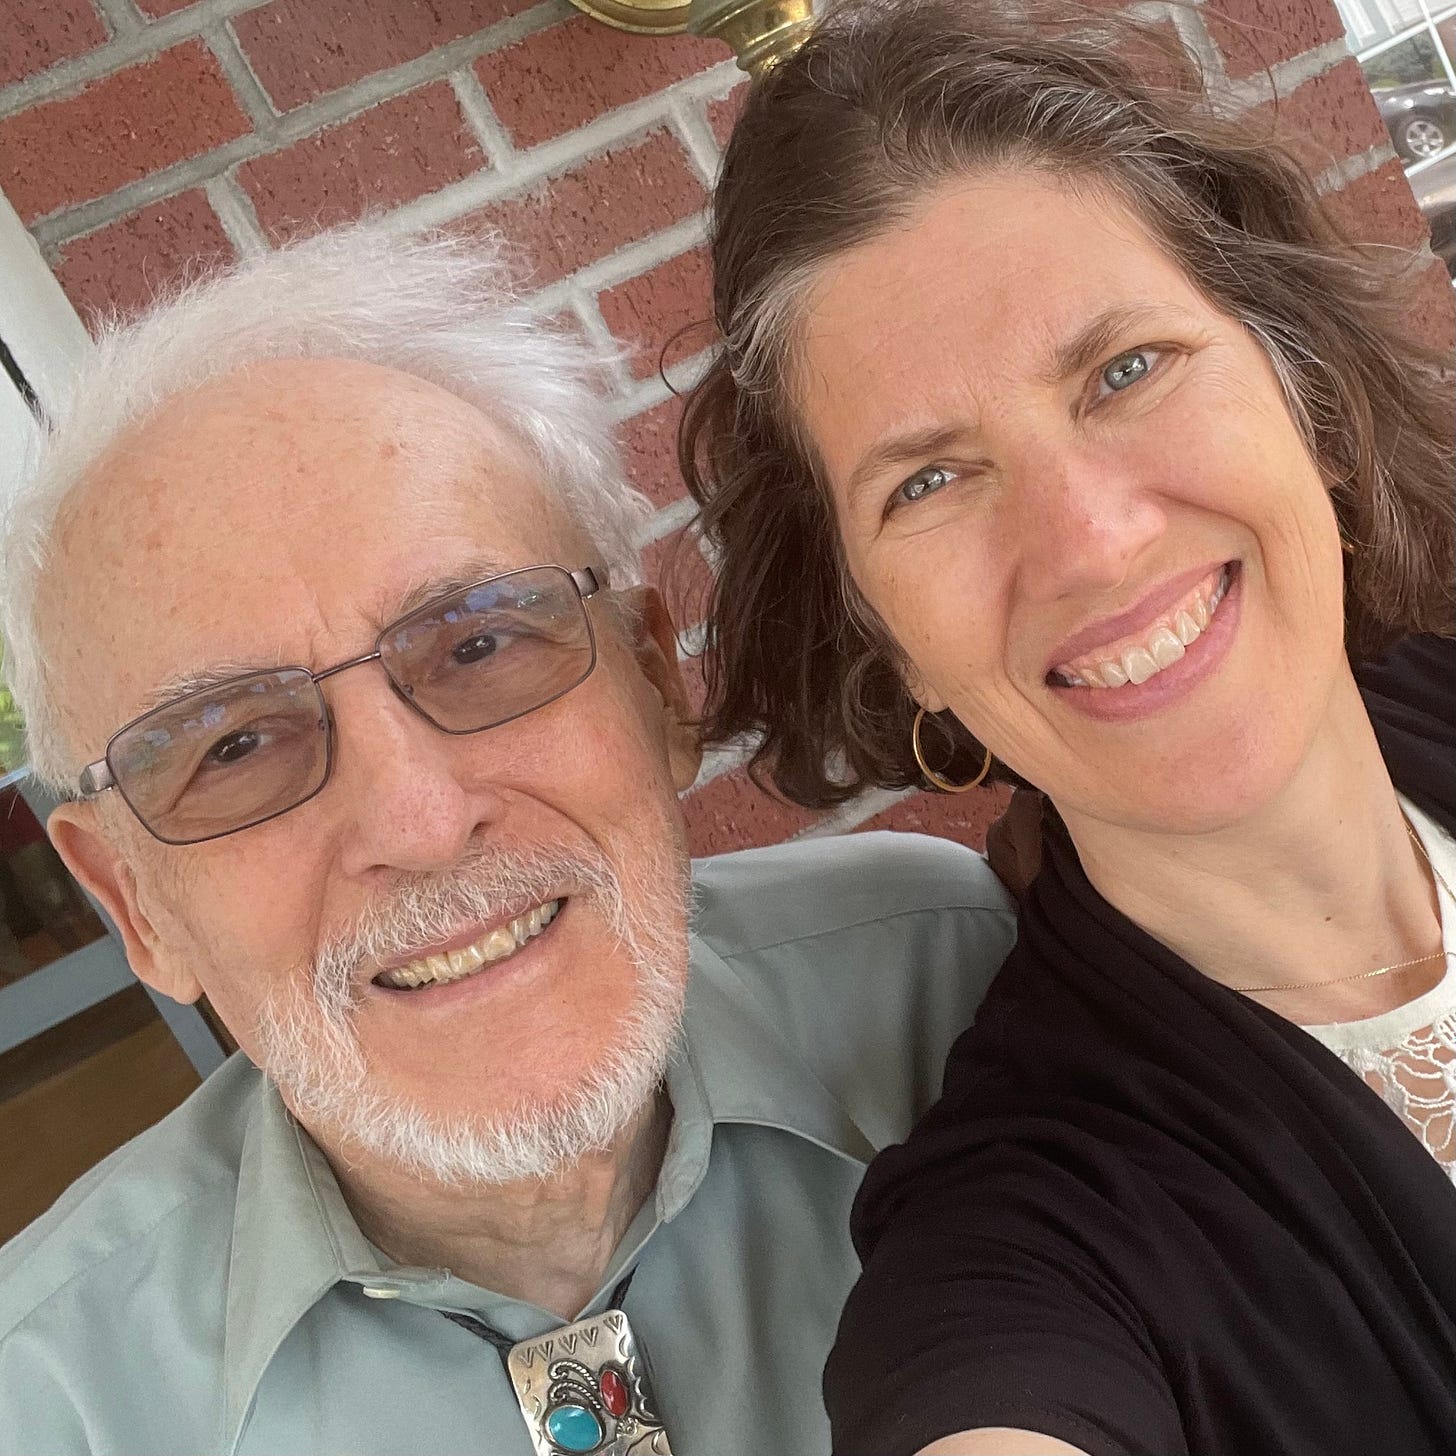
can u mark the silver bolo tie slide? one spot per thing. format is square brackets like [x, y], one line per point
[583, 1389]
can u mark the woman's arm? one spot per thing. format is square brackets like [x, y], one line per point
[1001, 1442]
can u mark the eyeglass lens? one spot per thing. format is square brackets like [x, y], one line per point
[233, 756]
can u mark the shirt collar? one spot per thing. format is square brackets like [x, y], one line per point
[294, 1237]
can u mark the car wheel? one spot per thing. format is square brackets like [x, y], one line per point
[1419, 137]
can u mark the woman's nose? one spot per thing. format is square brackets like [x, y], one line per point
[1082, 522]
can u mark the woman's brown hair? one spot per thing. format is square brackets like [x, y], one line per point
[886, 101]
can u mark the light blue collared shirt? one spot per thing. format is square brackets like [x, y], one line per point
[206, 1290]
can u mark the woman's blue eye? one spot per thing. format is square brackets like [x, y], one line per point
[1127, 369]
[923, 483]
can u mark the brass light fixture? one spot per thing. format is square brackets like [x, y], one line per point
[759, 31]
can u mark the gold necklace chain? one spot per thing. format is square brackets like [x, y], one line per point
[1426, 960]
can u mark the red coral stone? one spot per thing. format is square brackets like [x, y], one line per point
[614, 1392]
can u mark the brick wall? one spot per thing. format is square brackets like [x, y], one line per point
[139, 135]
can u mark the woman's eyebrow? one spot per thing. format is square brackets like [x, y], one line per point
[1096, 337]
[902, 449]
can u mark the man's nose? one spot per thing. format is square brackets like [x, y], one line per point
[398, 782]
[1081, 520]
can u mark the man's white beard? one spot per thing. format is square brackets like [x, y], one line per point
[308, 1044]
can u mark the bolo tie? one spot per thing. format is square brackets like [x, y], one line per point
[582, 1388]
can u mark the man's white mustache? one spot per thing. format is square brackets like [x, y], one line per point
[491, 883]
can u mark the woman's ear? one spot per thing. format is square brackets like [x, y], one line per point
[654, 644]
[921, 691]
[101, 867]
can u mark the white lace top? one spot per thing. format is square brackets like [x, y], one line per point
[1408, 1055]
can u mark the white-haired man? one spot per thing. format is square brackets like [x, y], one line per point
[539, 1159]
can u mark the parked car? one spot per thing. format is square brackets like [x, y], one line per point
[1420, 116]
[1435, 190]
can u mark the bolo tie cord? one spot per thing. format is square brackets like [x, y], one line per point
[503, 1343]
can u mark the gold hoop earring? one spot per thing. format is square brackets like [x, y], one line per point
[930, 774]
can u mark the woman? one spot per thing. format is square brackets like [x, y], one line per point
[1057, 434]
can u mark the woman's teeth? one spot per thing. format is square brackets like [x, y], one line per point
[1165, 643]
[496, 945]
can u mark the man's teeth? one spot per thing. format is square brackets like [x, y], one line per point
[495, 945]
[1166, 642]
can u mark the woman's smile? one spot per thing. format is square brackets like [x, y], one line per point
[1149, 637]
[1144, 674]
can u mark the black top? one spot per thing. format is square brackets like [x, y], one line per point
[1150, 1216]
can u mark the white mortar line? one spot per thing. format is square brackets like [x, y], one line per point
[1193, 32]
[628, 262]
[234, 209]
[1352, 168]
[248, 90]
[669, 518]
[1288, 76]
[684, 375]
[126, 50]
[691, 641]
[854, 812]
[433, 210]
[723, 760]
[696, 136]
[481, 118]
[67, 224]
[583, 303]
[121, 16]
[645, 394]
[519, 171]
[186, 24]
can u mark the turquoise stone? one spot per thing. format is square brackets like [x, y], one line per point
[574, 1428]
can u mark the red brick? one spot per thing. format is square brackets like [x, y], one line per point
[649, 446]
[1330, 117]
[665, 314]
[678, 569]
[117, 130]
[962, 817]
[1431, 309]
[300, 49]
[732, 812]
[569, 221]
[37, 36]
[697, 684]
[162, 7]
[396, 151]
[559, 79]
[125, 265]
[723, 113]
[1379, 208]
[1255, 35]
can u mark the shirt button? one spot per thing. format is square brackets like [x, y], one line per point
[381, 1291]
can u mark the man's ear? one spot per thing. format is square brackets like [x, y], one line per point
[654, 643]
[101, 867]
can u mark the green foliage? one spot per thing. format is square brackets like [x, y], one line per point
[12, 736]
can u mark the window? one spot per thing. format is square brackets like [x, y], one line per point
[1407, 49]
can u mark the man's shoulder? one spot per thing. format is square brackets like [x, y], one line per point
[863, 956]
[758, 899]
[170, 1190]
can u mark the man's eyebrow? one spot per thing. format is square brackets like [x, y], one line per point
[1088, 345]
[181, 685]
[916, 445]
[431, 589]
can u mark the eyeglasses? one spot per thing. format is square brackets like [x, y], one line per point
[227, 757]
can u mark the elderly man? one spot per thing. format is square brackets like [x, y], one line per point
[320, 606]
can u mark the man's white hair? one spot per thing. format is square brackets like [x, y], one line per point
[441, 309]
